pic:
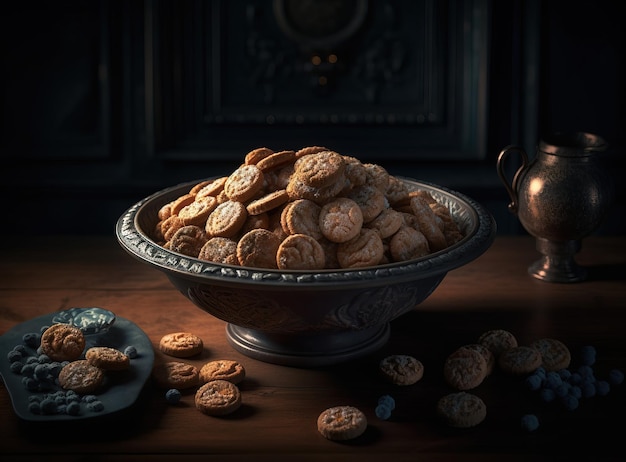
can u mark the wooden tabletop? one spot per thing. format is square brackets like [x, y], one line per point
[280, 404]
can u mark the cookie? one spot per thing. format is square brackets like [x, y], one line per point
[62, 342]
[81, 376]
[465, 369]
[370, 199]
[258, 249]
[497, 340]
[486, 353]
[554, 354]
[188, 240]
[181, 344]
[408, 243]
[300, 252]
[387, 223]
[276, 161]
[519, 360]
[302, 217]
[341, 423]
[244, 183]
[223, 369]
[267, 202]
[107, 358]
[182, 201]
[198, 211]
[253, 157]
[366, 249]
[340, 220]
[217, 398]
[220, 250]
[461, 410]
[402, 369]
[213, 188]
[309, 150]
[320, 169]
[175, 374]
[226, 220]
[428, 224]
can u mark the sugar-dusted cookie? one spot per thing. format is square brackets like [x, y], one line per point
[365, 249]
[223, 369]
[461, 410]
[465, 369]
[188, 240]
[519, 360]
[408, 243]
[244, 183]
[428, 224]
[267, 202]
[253, 157]
[340, 220]
[370, 199]
[276, 161]
[63, 342]
[181, 344]
[217, 398]
[302, 217]
[220, 250]
[486, 353]
[81, 377]
[320, 169]
[554, 354]
[342, 423]
[176, 374]
[401, 369]
[198, 211]
[107, 358]
[226, 220]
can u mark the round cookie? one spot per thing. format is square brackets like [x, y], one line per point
[497, 340]
[81, 377]
[244, 183]
[188, 240]
[302, 217]
[175, 374]
[465, 369]
[519, 360]
[258, 248]
[198, 211]
[320, 169]
[268, 202]
[226, 220]
[486, 353]
[408, 243]
[300, 252]
[366, 249]
[220, 250]
[62, 342]
[217, 398]
[107, 358]
[181, 344]
[223, 369]
[554, 354]
[341, 423]
[340, 220]
[461, 410]
[401, 369]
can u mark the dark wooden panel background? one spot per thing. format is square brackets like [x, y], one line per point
[105, 102]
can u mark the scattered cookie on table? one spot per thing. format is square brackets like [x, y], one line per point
[223, 369]
[181, 344]
[519, 360]
[218, 398]
[465, 369]
[554, 354]
[401, 369]
[498, 340]
[341, 423]
[461, 410]
[176, 374]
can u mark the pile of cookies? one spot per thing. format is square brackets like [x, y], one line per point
[217, 393]
[309, 209]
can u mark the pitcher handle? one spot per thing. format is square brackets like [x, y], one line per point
[511, 188]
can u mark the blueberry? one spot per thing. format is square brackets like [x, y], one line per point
[569, 402]
[588, 390]
[533, 382]
[602, 387]
[588, 355]
[547, 395]
[529, 422]
[172, 396]
[388, 401]
[72, 408]
[31, 339]
[130, 351]
[616, 377]
[382, 412]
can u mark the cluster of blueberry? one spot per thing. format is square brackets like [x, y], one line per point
[385, 405]
[568, 387]
[63, 402]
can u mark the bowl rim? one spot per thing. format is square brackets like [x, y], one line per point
[135, 241]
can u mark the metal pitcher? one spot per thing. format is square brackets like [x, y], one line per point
[560, 197]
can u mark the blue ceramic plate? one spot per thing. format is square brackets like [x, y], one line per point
[119, 391]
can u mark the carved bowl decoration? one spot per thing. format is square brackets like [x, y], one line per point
[301, 318]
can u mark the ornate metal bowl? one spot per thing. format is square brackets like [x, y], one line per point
[300, 318]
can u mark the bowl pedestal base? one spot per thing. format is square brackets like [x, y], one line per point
[302, 350]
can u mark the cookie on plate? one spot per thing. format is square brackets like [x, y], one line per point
[181, 344]
[218, 397]
[107, 358]
[461, 410]
[81, 377]
[341, 423]
[401, 369]
[63, 342]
